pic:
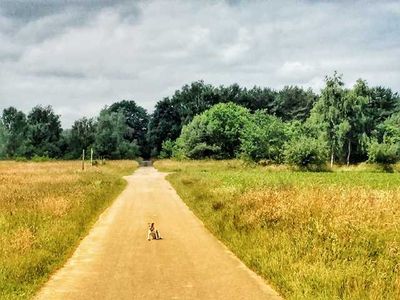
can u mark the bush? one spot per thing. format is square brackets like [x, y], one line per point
[167, 149]
[306, 152]
[215, 133]
[263, 138]
[38, 158]
[20, 159]
[383, 153]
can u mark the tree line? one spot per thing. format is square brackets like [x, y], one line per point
[200, 120]
[341, 125]
[118, 132]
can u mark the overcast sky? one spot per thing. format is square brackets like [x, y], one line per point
[79, 56]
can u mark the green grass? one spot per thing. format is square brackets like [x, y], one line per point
[326, 235]
[45, 209]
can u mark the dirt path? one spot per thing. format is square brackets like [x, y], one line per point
[115, 261]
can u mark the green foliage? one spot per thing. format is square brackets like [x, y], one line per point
[215, 133]
[294, 103]
[136, 119]
[171, 114]
[329, 110]
[383, 153]
[345, 118]
[37, 158]
[381, 105]
[3, 141]
[343, 114]
[389, 130]
[167, 149]
[110, 131]
[307, 152]
[44, 132]
[15, 129]
[80, 137]
[263, 137]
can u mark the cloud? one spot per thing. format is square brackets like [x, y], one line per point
[81, 55]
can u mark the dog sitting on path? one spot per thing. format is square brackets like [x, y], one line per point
[153, 233]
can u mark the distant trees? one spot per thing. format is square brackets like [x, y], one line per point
[296, 126]
[171, 114]
[15, 129]
[81, 137]
[293, 103]
[114, 134]
[43, 132]
[110, 142]
[136, 120]
[291, 125]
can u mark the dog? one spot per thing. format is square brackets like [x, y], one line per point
[153, 233]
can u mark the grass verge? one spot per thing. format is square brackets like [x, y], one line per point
[45, 209]
[326, 235]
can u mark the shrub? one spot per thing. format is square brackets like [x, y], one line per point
[37, 158]
[263, 138]
[383, 153]
[167, 149]
[305, 152]
[215, 133]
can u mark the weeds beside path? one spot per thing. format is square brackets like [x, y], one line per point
[45, 209]
[332, 235]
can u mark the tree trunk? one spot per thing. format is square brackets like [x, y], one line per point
[332, 158]
[348, 152]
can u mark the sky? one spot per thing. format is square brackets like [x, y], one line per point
[79, 56]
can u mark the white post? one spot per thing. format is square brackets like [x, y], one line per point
[91, 156]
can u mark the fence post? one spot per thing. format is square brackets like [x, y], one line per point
[91, 156]
[83, 159]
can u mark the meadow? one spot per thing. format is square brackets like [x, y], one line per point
[311, 235]
[45, 209]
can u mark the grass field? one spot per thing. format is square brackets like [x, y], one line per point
[327, 235]
[45, 209]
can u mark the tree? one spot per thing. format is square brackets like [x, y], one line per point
[171, 114]
[329, 110]
[81, 136]
[354, 115]
[294, 103]
[3, 141]
[215, 133]
[15, 125]
[389, 130]
[383, 153]
[110, 131]
[263, 137]
[254, 99]
[167, 150]
[381, 105]
[44, 131]
[137, 119]
[164, 124]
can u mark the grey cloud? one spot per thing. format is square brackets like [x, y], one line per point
[27, 11]
[81, 55]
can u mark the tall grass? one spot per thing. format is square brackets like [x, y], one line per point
[326, 235]
[45, 209]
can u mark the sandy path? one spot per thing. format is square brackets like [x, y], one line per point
[115, 261]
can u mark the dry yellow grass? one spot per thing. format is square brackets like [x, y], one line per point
[45, 208]
[327, 235]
